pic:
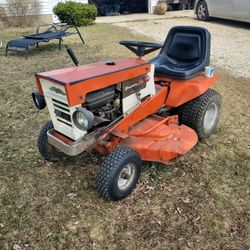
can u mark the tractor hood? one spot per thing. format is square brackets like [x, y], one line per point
[84, 79]
[82, 73]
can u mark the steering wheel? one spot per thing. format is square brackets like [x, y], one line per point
[141, 48]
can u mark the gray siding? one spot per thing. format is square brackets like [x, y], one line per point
[45, 6]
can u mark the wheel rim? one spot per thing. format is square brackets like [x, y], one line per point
[126, 176]
[202, 11]
[210, 116]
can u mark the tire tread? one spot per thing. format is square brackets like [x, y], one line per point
[191, 113]
[108, 169]
[42, 143]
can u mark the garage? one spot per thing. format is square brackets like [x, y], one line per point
[117, 7]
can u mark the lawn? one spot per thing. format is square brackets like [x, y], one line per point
[199, 202]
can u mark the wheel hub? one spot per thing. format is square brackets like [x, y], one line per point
[210, 116]
[126, 176]
[202, 11]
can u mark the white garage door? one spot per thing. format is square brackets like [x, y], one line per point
[151, 5]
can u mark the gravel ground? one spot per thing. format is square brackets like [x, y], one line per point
[143, 17]
[230, 40]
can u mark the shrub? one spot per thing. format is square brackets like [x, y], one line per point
[75, 13]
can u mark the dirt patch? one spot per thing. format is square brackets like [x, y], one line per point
[230, 40]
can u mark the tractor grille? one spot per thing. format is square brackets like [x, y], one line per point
[62, 112]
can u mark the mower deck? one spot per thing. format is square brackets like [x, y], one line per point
[160, 139]
[155, 138]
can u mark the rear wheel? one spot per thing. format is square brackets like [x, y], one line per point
[119, 174]
[47, 151]
[202, 114]
[202, 11]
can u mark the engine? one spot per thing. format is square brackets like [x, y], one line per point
[87, 97]
[105, 104]
[110, 103]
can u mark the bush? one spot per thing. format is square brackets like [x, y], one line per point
[75, 13]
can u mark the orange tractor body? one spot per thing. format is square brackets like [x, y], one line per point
[132, 109]
[153, 137]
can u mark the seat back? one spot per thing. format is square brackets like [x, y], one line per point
[187, 44]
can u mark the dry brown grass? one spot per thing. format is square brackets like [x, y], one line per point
[201, 202]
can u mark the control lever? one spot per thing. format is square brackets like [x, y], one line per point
[73, 56]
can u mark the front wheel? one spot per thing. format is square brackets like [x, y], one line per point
[202, 11]
[202, 114]
[119, 174]
[47, 151]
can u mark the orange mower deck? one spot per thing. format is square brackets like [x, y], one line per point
[160, 139]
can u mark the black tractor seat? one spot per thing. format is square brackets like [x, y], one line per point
[185, 53]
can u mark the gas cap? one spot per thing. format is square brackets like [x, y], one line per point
[110, 62]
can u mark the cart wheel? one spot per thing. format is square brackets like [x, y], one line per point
[202, 114]
[119, 174]
[47, 151]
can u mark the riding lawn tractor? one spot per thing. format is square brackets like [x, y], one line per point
[131, 109]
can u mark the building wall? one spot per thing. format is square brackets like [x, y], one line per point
[45, 6]
[48, 5]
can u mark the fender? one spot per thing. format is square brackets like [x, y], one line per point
[182, 91]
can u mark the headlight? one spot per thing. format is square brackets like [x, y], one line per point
[38, 100]
[83, 119]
